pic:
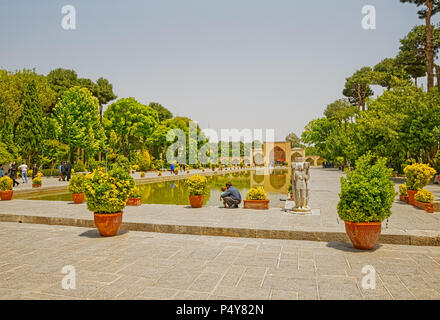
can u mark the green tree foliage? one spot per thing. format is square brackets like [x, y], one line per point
[77, 114]
[30, 129]
[132, 123]
[385, 70]
[412, 53]
[430, 8]
[105, 94]
[295, 141]
[62, 80]
[164, 113]
[357, 87]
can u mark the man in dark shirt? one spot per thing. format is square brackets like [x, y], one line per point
[231, 197]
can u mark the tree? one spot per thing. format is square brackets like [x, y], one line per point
[164, 113]
[412, 54]
[77, 114]
[132, 122]
[104, 94]
[341, 110]
[295, 141]
[29, 132]
[385, 70]
[357, 87]
[432, 7]
[61, 80]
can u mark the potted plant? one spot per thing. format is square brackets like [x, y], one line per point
[160, 173]
[417, 175]
[142, 174]
[403, 193]
[197, 188]
[366, 197]
[134, 198]
[37, 182]
[6, 188]
[424, 200]
[107, 195]
[256, 198]
[77, 187]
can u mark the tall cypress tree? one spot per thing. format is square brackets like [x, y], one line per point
[29, 132]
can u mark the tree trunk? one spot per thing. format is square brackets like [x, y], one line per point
[429, 50]
[437, 73]
[100, 113]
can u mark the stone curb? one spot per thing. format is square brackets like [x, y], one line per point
[325, 236]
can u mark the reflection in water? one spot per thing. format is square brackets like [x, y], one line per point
[175, 192]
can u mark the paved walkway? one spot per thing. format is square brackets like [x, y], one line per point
[142, 265]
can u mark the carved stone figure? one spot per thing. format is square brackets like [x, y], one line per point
[300, 186]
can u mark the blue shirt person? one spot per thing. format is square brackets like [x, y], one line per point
[231, 197]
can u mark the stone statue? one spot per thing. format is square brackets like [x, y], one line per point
[300, 186]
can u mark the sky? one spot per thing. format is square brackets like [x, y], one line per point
[244, 64]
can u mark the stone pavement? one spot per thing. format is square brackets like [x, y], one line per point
[142, 265]
[407, 225]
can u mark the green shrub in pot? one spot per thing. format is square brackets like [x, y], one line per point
[367, 193]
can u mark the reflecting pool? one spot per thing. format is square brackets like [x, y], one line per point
[275, 182]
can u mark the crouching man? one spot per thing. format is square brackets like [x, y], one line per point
[231, 196]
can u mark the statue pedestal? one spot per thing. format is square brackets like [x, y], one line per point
[301, 210]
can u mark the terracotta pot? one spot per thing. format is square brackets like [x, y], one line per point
[6, 195]
[78, 198]
[428, 207]
[133, 202]
[36, 185]
[291, 196]
[256, 204]
[108, 223]
[403, 198]
[412, 196]
[213, 169]
[363, 235]
[196, 201]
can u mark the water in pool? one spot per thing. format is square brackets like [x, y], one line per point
[276, 184]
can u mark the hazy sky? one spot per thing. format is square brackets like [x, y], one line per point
[224, 63]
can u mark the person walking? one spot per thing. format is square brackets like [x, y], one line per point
[69, 170]
[64, 171]
[60, 172]
[24, 169]
[231, 197]
[13, 174]
[34, 171]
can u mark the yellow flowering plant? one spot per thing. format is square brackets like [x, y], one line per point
[424, 196]
[257, 193]
[135, 193]
[6, 184]
[197, 185]
[77, 183]
[108, 192]
[403, 190]
[418, 175]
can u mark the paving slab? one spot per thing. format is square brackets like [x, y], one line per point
[185, 272]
